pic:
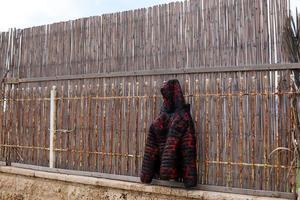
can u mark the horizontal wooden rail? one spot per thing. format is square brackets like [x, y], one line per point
[224, 69]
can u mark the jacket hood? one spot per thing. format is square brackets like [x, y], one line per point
[172, 96]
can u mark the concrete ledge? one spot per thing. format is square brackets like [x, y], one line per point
[136, 187]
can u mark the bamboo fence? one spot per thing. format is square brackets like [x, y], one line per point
[107, 97]
[240, 118]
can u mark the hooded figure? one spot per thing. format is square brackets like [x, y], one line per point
[170, 151]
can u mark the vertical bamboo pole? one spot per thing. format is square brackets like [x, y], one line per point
[60, 125]
[39, 131]
[112, 119]
[137, 145]
[89, 133]
[145, 113]
[241, 130]
[266, 131]
[8, 123]
[229, 134]
[27, 121]
[2, 117]
[278, 131]
[219, 131]
[96, 129]
[154, 101]
[52, 126]
[187, 90]
[253, 124]
[197, 105]
[75, 121]
[295, 171]
[206, 169]
[45, 121]
[127, 128]
[120, 126]
[82, 124]
[33, 101]
[103, 144]
[69, 121]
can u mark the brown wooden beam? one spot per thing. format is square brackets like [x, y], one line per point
[220, 69]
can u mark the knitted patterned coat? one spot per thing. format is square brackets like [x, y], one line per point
[170, 151]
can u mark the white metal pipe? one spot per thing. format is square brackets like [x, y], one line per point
[52, 126]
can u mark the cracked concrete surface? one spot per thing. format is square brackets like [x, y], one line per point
[23, 184]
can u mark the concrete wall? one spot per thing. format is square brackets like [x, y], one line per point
[21, 187]
[24, 184]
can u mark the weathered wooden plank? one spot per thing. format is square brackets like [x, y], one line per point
[244, 68]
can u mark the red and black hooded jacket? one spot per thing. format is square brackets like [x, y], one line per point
[170, 151]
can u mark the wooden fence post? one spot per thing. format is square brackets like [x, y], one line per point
[52, 126]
